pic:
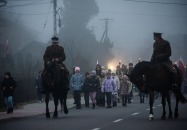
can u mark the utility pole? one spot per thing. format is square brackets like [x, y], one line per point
[54, 17]
[105, 34]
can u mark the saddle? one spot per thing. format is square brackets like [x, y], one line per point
[171, 70]
[168, 67]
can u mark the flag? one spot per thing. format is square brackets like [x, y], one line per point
[180, 65]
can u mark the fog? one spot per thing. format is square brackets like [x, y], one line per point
[130, 29]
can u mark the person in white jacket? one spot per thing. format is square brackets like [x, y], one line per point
[117, 84]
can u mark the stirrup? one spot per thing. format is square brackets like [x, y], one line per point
[174, 86]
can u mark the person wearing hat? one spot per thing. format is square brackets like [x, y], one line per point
[115, 96]
[108, 87]
[76, 82]
[130, 96]
[94, 84]
[86, 89]
[53, 53]
[124, 69]
[8, 86]
[161, 54]
[124, 90]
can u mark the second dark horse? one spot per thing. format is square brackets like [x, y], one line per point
[58, 86]
[149, 77]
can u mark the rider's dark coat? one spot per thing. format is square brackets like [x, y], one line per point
[161, 54]
[54, 51]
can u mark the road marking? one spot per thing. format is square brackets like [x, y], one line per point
[159, 105]
[96, 129]
[135, 113]
[118, 120]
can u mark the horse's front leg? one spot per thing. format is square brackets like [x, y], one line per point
[65, 106]
[151, 101]
[55, 115]
[47, 107]
[163, 117]
[169, 105]
[176, 107]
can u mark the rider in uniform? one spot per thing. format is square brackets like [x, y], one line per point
[161, 54]
[54, 54]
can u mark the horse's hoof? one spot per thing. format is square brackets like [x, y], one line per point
[151, 117]
[176, 115]
[163, 118]
[66, 111]
[47, 115]
[55, 116]
[170, 117]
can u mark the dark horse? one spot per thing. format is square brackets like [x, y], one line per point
[58, 86]
[149, 77]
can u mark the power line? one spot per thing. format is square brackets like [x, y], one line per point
[162, 15]
[84, 11]
[154, 2]
[23, 0]
[23, 13]
[27, 4]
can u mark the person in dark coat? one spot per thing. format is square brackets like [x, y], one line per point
[85, 89]
[73, 72]
[53, 53]
[118, 70]
[39, 87]
[124, 69]
[94, 84]
[161, 54]
[8, 86]
[130, 68]
[98, 70]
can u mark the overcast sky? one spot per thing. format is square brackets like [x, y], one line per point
[131, 26]
[133, 23]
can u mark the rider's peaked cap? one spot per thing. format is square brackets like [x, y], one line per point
[130, 64]
[54, 39]
[155, 34]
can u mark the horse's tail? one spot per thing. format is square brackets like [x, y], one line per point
[179, 95]
[178, 91]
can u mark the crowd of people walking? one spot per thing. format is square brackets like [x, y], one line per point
[104, 88]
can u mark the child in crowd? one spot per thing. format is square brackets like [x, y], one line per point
[108, 87]
[76, 82]
[124, 89]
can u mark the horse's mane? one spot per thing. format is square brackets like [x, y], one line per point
[140, 67]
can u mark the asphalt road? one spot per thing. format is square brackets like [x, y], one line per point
[132, 117]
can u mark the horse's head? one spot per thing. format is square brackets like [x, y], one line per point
[138, 80]
[62, 75]
[46, 78]
[138, 75]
